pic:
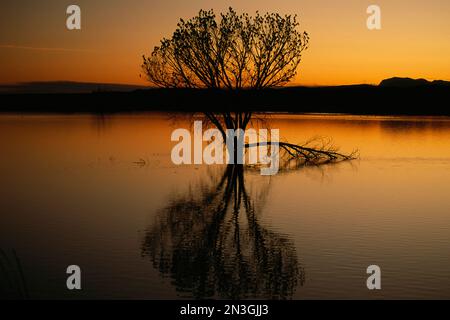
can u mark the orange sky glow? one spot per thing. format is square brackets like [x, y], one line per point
[35, 45]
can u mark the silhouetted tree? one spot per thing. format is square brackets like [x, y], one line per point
[232, 53]
[239, 51]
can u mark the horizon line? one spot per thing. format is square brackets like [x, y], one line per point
[17, 85]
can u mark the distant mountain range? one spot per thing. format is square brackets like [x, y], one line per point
[408, 82]
[89, 87]
[66, 87]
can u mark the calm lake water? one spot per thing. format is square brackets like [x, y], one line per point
[102, 193]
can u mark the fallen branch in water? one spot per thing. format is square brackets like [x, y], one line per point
[295, 155]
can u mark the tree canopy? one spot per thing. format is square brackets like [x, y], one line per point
[230, 52]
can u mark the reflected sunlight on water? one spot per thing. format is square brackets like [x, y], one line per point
[101, 192]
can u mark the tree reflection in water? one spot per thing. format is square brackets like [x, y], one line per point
[212, 245]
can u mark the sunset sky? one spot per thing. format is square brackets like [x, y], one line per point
[36, 46]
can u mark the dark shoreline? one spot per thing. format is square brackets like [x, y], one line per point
[359, 99]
